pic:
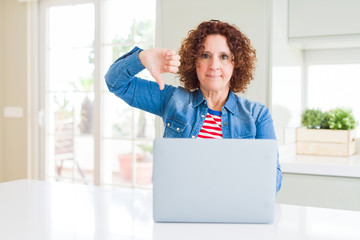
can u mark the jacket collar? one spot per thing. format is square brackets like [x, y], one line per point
[198, 98]
[230, 104]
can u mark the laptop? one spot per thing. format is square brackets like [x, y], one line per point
[214, 180]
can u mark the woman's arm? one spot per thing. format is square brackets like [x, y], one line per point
[265, 129]
[137, 92]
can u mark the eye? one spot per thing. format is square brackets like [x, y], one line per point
[205, 55]
[224, 57]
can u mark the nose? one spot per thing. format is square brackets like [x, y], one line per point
[215, 63]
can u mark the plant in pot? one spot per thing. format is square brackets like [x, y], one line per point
[329, 133]
[143, 165]
[313, 118]
[143, 151]
[340, 119]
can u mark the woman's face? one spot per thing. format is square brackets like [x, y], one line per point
[215, 67]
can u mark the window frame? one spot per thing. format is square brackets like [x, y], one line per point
[42, 107]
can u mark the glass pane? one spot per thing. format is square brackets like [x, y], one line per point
[62, 125]
[144, 23]
[124, 125]
[67, 29]
[137, 18]
[331, 86]
[144, 124]
[286, 96]
[145, 10]
[144, 31]
[71, 69]
[70, 86]
[62, 160]
[61, 113]
[116, 12]
[67, 152]
[71, 158]
[144, 163]
[117, 117]
[117, 162]
[84, 158]
[83, 112]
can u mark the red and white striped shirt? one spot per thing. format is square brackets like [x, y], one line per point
[212, 125]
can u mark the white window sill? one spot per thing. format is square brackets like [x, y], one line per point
[318, 165]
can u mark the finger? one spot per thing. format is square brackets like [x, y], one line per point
[172, 63]
[175, 57]
[161, 84]
[160, 81]
[170, 52]
[171, 69]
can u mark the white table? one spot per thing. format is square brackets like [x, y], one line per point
[48, 210]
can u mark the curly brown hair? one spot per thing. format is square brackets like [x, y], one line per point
[244, 55]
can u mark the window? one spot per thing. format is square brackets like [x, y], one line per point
[90, 135]
[286, 96]
[325, 80]
[333, 79]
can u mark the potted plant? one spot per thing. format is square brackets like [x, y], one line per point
[143, 153]
[143, 165]
[330, 133]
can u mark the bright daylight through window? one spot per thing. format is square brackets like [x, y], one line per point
[342, 83]
[79, 50]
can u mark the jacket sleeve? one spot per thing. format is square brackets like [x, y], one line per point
[265, 129]
[137, 92]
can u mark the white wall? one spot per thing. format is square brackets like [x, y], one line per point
[176, 18]
[13, 29]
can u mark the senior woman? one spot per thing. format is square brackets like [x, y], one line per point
[215, 61]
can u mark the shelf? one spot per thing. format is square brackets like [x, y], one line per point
[318, 165]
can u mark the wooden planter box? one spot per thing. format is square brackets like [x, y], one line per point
[340, 143]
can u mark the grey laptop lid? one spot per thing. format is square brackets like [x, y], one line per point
[209, 180]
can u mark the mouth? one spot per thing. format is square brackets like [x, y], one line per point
[213, 76]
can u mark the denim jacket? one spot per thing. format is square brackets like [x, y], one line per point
[183, 112]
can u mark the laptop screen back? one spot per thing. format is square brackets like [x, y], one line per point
[209, 180]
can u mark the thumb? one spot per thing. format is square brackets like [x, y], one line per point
[160, 81]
